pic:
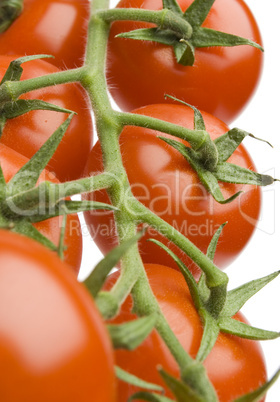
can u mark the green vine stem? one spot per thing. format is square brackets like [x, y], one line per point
[164, 19]
[145, 304]
[199, 139]
[133, 276]
[11, 90]
[51, 193]
[216, 279]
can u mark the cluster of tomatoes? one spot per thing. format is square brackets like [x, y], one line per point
[53, 343]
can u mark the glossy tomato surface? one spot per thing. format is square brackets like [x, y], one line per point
[163, 180]
[53, 343]
[54, 27]
[221, 81]
[235, 366]
[27, 133]
[11, 161]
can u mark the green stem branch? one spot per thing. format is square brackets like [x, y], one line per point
[199, 140]
[145, 304]
[11, 90]
[216, 279]
[195, 137]
[133, 276]
[85, 185]
[47, 193]
[109, 129]
[164, 19]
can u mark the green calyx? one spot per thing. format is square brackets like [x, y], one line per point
[9, 11]
[217, 311]
[184, 42]
[209, 173]
[23, 202]
[221, 319]
[10, 107]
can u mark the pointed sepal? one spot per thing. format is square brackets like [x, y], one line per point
[172, 5]
[259, 393]
[198, 122]
[27, 177]
[230, 173]
[211, 250]
[206, 37]
[98, 276]
[197, 12]
[14, 71]
[184, 52]
[192, 285]
[238, 328]
[237, 297]
[182, 391]
[211, 332]
[227, 143]
[136, 381]
[164, 37]
[22, 106]
[183, 49]
[203, 290]
[131, 334]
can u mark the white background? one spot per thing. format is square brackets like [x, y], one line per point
[261, 257]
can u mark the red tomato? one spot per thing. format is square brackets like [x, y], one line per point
[235, 366]
[54, 27]
[11, 161]
[221, 81]
[53, 343]
[27, 133]
[163, 181]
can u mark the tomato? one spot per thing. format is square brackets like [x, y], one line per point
[54, 27]
[235, 366]
[53, 343]
[27, 133]
[11, 161]
[221, 81]
[163, 181]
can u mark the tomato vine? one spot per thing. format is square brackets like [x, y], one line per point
[214, 303]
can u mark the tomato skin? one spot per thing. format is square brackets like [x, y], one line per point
[27, 133]
[54, 27]
[53, 343]
[221, 81]
[11, 162]
[164, 182]
[235, 366]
